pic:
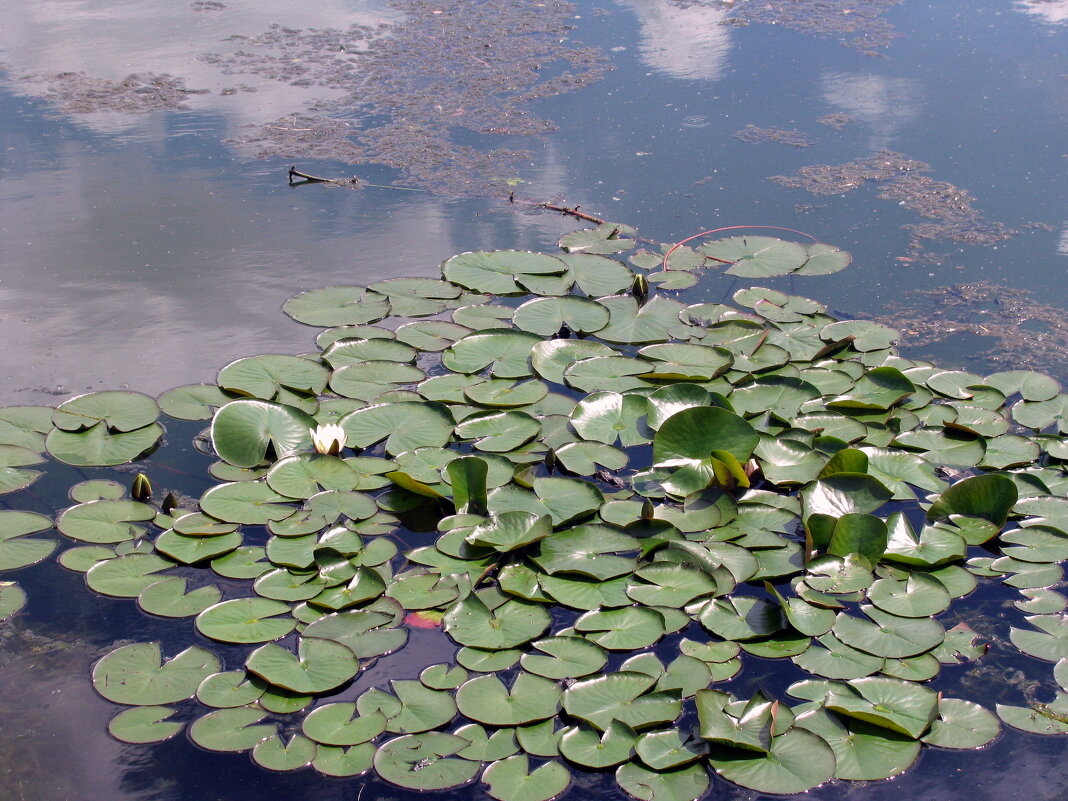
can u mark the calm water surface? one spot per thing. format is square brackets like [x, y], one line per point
[147, 250]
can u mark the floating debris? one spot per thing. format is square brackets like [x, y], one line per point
[753, 135]
[901, 179]
[81, 93]
[468, 71]
[836, 120]
[1015, 329]
[860, 25]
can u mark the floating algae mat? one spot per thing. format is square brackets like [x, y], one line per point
[618, 506]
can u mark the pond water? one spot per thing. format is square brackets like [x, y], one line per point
[150, 236]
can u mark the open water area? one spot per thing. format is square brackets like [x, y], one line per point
[149, 235]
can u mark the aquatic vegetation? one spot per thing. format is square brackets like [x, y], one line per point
[902, 179]
[613, 502]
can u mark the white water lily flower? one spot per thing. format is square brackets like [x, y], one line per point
[328, 439]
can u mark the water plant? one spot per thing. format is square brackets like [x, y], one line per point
[612, 501]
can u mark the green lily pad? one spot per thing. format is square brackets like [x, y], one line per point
[494, 623]
[144, 724]
[231, 729]
[319, 665]
[862, 752]
[796, 761]
[135, 674]
[681, 784]
[96, 446]
[246, 620]
[623, 696]
[487, 700]
[425, 761]
[118, 410]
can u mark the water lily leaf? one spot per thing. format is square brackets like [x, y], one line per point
[609, 417]
[568, 499]
[496, 623]
[990, 497]
[275, 753]
[1031, 386]
[510, 530]
[609, 373]
[244, 430]
[742, 617]
[935, 545]
[487, 700]
[944, 447]
[144, 724]
[425, 761]
[504, 351]
[585, 458]
[796, 761]
[496, 272]
[962, 724]
[1050, 642]
[266, 376]
[250, 502]
[564, 657]
[319, 665]
[126, 576]
[685, 362]
[342, 762]
[833, 659]
[862, 752]
[503, 392]
[16, 549]
[590, 550]
[368, 380]
[876, 390]
[194, 401]
[499, 432]
[824, 259]
[337, 305]
[779, 395]
[897, 469]
[681, 784]
[12, 599]
[918, 596]
[354, 351]
[688, 437]
[431, 336]
[135, 674]
[621, 696]
[597, 276]
[404, 426]
[631, 323]
[1039, 718]
[246, 620]
[861, 534]
[757, 256]
[624, 629]
[231, 729]
[888, 635]
[584, 745]
[118, 410]
[230, 689]
[168, 598]
[509, 780]
[105, 521]
[550, 358]
[901, 706]
[96, 446]
[844, 494]
[548, 315]
[422, 708]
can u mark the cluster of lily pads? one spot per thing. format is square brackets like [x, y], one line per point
[630, 496]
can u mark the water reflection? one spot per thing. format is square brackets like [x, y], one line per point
[109, 41]
[886, 105]
[1054, 11]
[683, 41]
